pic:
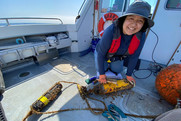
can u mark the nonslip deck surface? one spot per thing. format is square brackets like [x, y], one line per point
[23, 91]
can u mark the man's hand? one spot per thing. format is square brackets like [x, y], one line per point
[102, 78]
[131, 79]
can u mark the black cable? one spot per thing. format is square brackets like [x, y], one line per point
[157, 66]
[142, 77]
[155, 45]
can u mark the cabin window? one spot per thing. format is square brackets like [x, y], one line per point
[112, 6]
[173, 4]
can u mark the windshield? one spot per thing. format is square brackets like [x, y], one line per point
[116, 5]
[112, 6]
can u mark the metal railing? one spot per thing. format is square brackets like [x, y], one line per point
[21, 18]
[81, 7]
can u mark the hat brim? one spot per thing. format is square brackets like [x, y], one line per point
[149, 21]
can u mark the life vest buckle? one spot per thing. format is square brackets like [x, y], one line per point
[109, 61]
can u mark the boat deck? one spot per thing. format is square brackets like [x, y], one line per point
[27, 83]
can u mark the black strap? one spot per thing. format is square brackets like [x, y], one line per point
[115, 58]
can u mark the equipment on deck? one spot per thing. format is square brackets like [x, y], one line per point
[115, 114]
[90, 80]
[112, 85]
[168, 83]
[48, 96]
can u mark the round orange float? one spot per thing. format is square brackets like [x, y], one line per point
[168, 83]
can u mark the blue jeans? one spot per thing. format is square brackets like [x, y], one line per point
[116, 66]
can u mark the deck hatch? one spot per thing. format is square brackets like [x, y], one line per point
[24, 74]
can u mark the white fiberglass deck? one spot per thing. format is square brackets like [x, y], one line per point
[23, 91]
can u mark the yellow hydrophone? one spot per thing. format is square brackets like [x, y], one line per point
[113, 86]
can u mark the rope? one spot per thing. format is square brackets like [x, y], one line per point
[91, 109]
[58, 111]
[96, 111]
[64, 110]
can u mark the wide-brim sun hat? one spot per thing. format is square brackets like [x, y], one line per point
[140, 8]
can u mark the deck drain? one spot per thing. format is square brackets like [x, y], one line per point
[24, 74]
[2, 116]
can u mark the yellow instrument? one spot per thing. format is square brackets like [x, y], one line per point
[112, 85]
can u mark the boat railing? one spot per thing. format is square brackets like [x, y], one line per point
[81, 7]
[8, 23]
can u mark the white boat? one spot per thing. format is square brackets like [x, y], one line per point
[34, 56]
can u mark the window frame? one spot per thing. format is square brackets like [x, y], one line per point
[174, 9]
[122, 10]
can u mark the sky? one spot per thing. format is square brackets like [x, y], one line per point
[67, 10]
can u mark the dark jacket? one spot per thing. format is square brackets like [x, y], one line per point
[104, 45]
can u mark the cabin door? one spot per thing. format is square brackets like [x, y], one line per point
[168, 30]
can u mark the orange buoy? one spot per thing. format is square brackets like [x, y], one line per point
[168, 83]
